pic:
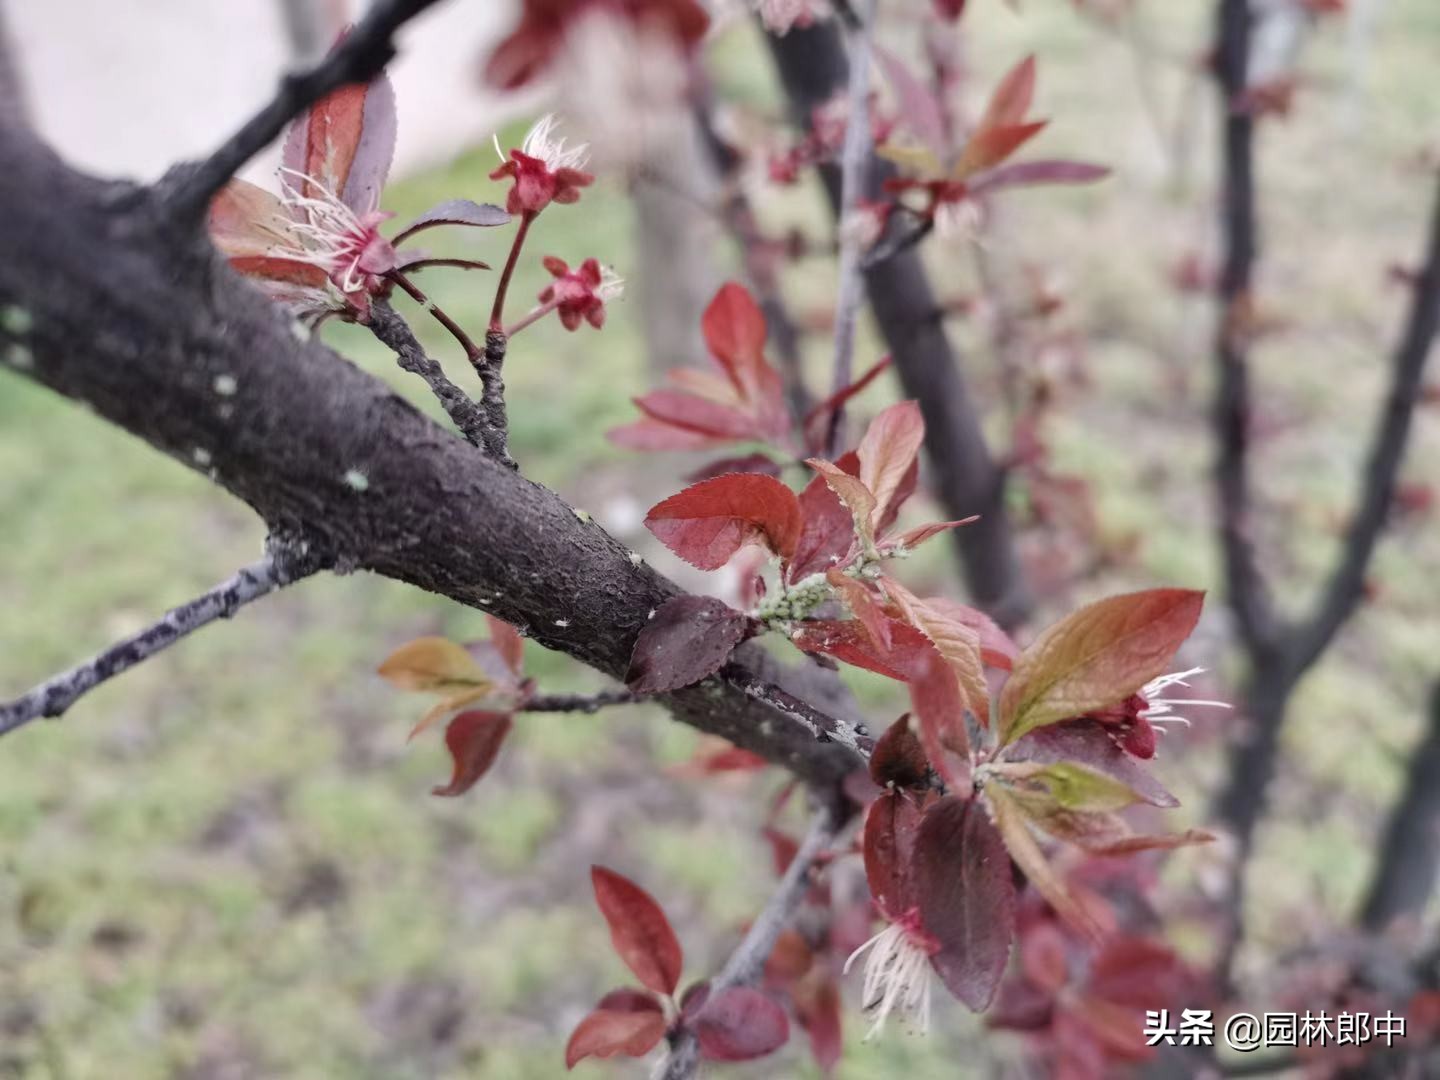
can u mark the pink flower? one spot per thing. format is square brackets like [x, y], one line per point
[580, 293]
[544, 169]
[317, 246]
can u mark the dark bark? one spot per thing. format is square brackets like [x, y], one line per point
[1409, 861]
[967, 479]
[109, 299]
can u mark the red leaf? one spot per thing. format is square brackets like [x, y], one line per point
[639, 931]
[508, 644]
[628, 999]
[848, 640]
[967, 898]
[827, 531]
[605, 1033]
[889, 845]
[916, 105]
[860, 598]
[748, 463]
[1096, 657]
[935, 696]
[345, 142]
[473, 739]
[950, 10]
[455, 212]
[740, 1024]
[734, 329]
[817, 1008]
[688, 639]
[1026, 173]
[887, 453]
[994, 145]
[996, 646]
[898, 757]
[1011, 99]
[716, 420]
[708, 522]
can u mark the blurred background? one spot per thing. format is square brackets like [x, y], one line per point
[227, 863]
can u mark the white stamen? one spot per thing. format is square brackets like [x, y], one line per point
[542, 143]
[1158, 710]
[897, 976]
[611, 285]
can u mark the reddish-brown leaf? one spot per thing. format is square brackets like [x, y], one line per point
[605, 1033]
[1026, 173]
[508, 644]
[939, 706]
[848, 640]
[1095, 657]
[891, 826]
[888, 452]
[994, 145]
[817, 420]
[1024, 849]
[1012, 97]
[345, 142]
[688, 639]
[860, 598]
[854, 494]
[827, 531]
[473, 739]
[996, 646]
[817, 1008]
[967, 898]
[740, 1024]
[746, 463]
[898, 757]
[910, 539]
[640, 933]
[957, 643]
[734, 329]
[710, 521]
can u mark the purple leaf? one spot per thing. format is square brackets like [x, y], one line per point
[687, 639]
[967, 898]
[455, 212]
[740, 1024]
[418, 260]
[1038, 172]
[918, 109]
[749, 463]
[1089, 743]
[375, 150]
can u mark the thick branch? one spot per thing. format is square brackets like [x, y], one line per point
[359, 58]
[107, 302]
[1409, 860]
[1347, 584]
[812, 66]
[748, 959]
[1245, 585]
[387, 325]
[283, 564]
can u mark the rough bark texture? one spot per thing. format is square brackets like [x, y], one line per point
[108, 299]
[966, 477]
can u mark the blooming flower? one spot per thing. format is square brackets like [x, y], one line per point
[317, 246]
[544, 169]
[897, 972]
[580, 293]
[1134, 720]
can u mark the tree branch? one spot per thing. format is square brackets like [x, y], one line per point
[748, 960]
[853, 160]
[1347, 583]
[1409, 859]
[391, 328]
[586, 703]
[359, 58]
[1245, 585]
[823, 727]
[284, 563]
[109, 302]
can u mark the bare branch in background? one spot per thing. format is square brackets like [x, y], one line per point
[853, 161]
[585, 703]
[285, 562]
[1409, 863]
[359, 58]
[748, 960]
[13, 106]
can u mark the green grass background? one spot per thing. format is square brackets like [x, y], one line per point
[227, 863]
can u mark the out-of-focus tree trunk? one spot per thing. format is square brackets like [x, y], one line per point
[12, 89]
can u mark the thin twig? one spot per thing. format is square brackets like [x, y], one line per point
[473, 352]
[492, 397]
[902, 241]
[284, 563]
[390, 327]
[823, 726]
[748, 960]
[1347, 583]
[855, 156]
[585, 703]
[360, 57]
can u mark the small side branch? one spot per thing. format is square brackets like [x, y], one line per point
[359, 58]
[283, 564]
[1347, 583]
[748, 959]
[391, 328]
[855, 156]
[583, 703]
[823, 726]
